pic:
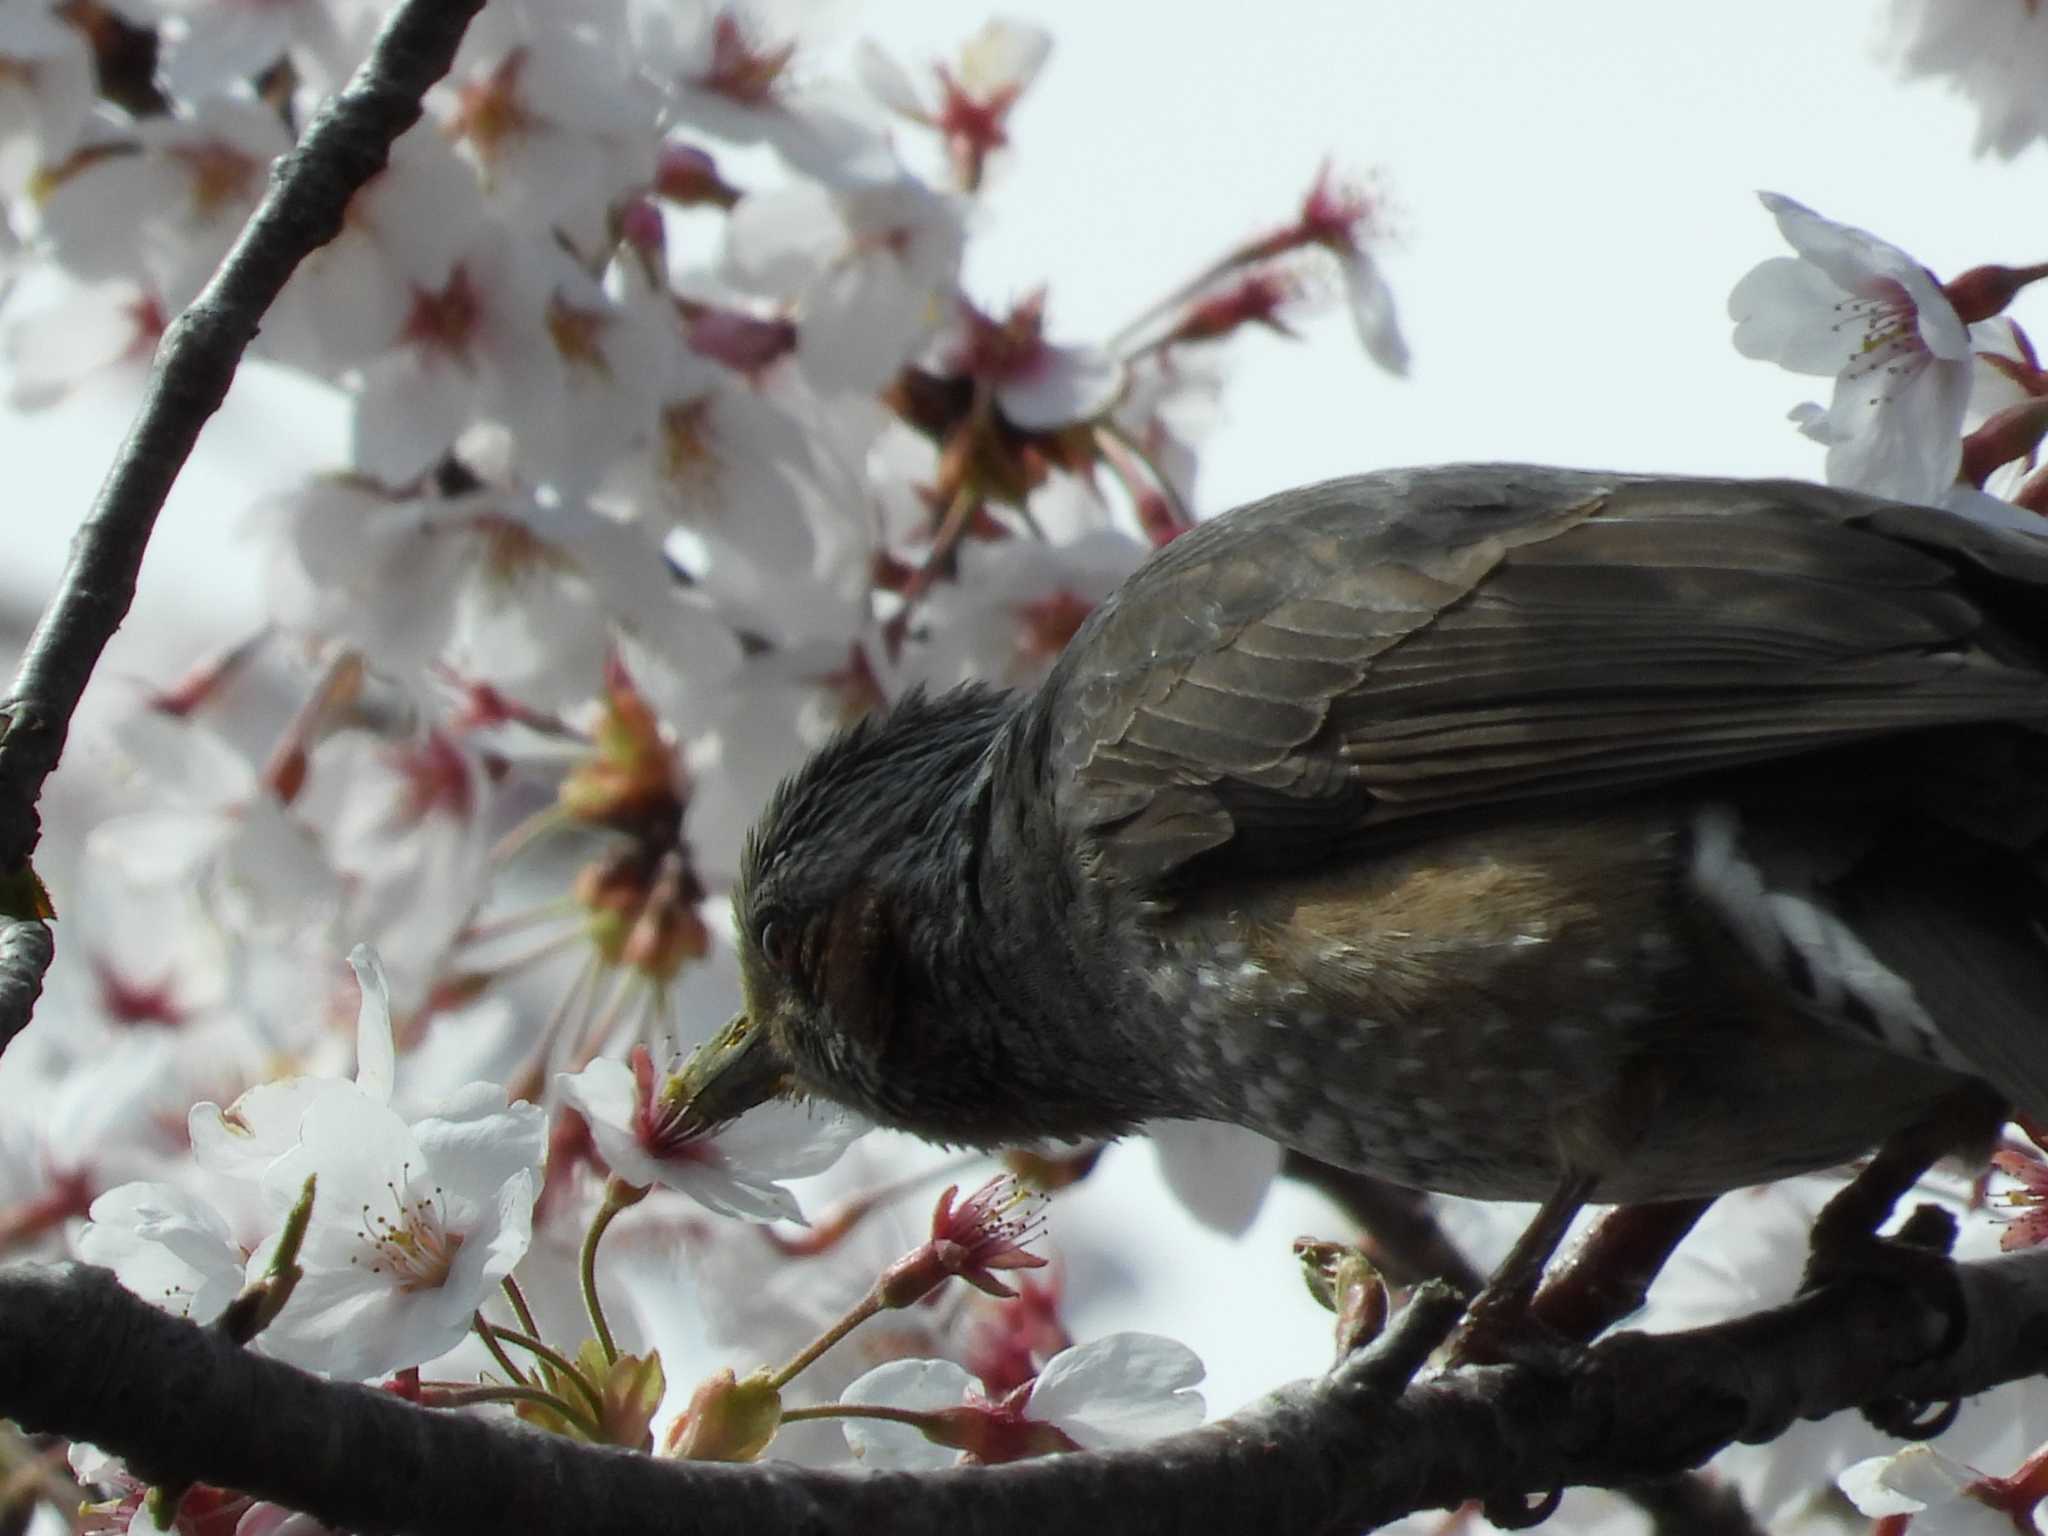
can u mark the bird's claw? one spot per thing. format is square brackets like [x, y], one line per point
[1516, 1512]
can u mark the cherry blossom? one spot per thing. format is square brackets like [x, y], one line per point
[973, 1240]
[411, 833]
[731, 68]
[82, 333]
[733, 465]
[471, 348]
[145, 964]
[76, 1129]
[163, 207]
[1995, 52]
[166, 1245]
[975, 95]
[1016, 604]
[1037, 385]
[1121, 1390]
[412, 1226]
[626, 400]
[211, 46]
[1346, 220]
[528, 596]
[412, 1221]
[610, 356]
[218, 820]
[1860, 309]
[864, 268]
[2004, 427]
[403, 234]
[1936, 1490]
[635, 1113]
[536, 105]
[245, 1140]
[46, 92]
[2028, 1226]
[352, 564]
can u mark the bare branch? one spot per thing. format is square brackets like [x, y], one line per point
[1351, 1450]
[346, 144]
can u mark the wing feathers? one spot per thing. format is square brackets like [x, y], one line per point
[1425, 642]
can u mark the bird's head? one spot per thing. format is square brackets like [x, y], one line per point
[847, 902]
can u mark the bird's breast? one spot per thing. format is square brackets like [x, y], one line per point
[1479, 1013]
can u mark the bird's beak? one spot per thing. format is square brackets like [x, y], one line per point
[729, 1074]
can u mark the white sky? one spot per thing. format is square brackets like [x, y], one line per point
[1573, 185]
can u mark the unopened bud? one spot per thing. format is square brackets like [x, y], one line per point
[687, 175]
[641, 228]
[1343, 1280]
[1982, 292]
[2007, 437]
[727, 1420]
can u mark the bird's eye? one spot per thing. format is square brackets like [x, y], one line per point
[778, 943]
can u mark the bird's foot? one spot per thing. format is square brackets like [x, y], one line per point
[1916, 1256]
[1499, 1323]
[1502, 1329]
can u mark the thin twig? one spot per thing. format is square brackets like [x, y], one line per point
[347, 142]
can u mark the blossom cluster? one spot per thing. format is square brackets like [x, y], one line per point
[1938, 396]
[676, 441]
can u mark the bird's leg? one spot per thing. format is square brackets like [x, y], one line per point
[1609, 1275]
[1845, 1244]
[1845, 1233]
[1502, 1308]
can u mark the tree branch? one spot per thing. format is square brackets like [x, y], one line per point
[25, 950]
[347, 142]
[1351, 1450]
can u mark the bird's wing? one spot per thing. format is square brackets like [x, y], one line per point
[1379, 651]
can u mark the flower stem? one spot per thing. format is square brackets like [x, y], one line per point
[618, 1194]
[967, 500]
[520, 1309]
[556, 910]
[827, 1230]
[861, 1311]
[1262, 248]
[561, 1363]
[547, 949]
[516, 841]
[489, 1335]
[911, 1416]
[1128, 445]
[454, 1395]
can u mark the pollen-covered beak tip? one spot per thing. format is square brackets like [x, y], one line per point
[730, 1073]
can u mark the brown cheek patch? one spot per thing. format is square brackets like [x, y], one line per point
[857, 968]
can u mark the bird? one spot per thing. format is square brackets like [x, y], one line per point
[1503, 831]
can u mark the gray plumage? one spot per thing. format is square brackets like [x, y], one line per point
[1471, 826]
